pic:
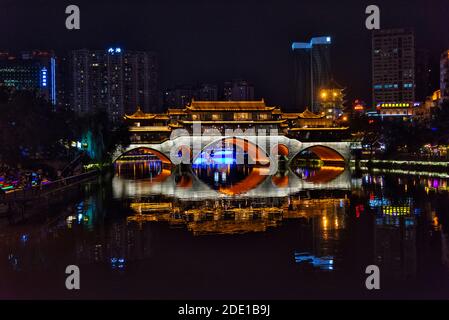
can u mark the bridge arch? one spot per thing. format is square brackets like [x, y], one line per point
[146, 150]
[280, 149]
[256, 153]
[324, 153]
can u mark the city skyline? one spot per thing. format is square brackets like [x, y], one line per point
[224, 149]
[193, 49]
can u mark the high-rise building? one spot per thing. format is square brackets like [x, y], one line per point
[114, 79]
[393, 66]
[207, 92]
[444, 75]
[63, 82]
[179, 96]
[238, 90]
[312, 71]
[423, 75]
[30, 70]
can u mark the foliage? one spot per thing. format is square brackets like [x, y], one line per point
[31, 128]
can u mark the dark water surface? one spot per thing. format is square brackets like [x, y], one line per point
[234, 232]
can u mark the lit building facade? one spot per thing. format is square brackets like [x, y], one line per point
[33, 70]
[222, 115]
[312, 71]
[114, 79]
[393, 66]
[444, 75]
[332, 99]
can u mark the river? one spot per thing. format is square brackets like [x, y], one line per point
[235, 232]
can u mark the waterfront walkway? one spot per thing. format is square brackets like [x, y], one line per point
[39, 192]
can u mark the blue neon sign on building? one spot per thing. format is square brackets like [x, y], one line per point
[44, 77]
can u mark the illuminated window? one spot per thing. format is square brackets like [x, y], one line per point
[263, 116]
[195, 117]
[242, 116]
[216, 117]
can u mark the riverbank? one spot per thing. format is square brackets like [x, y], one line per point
[402, 165]
[19, 204]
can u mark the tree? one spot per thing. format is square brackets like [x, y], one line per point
[29, 126]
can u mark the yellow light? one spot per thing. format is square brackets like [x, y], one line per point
[323, 94]
[325, 223]
[435, 221]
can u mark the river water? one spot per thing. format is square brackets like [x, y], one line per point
[230, 231]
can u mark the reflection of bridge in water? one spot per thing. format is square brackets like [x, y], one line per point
[232, 218]
[216, 193]
[190, 187]
[253, 205]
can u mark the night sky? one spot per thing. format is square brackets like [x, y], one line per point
[217, 40]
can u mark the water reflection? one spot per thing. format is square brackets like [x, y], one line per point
[208, 221]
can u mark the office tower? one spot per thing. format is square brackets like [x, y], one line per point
[238, 90]
[207, 92]
[30, 70]
[179, 96]
[312, 71]
[182, 95]
[444, 75]
[393, 66]
[423, 75]
[63, 81]
[114, 79]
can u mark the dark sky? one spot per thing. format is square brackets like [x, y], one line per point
[216, 40]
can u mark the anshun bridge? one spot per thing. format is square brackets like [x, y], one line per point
[262, 132]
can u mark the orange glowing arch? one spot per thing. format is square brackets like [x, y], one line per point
[325, 154]
[256, 177]
[281, 149]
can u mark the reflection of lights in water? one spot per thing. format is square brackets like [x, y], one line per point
[379, 202]
[138, 169]
[84, 213]
[117, 263]
[323, 263]
[325, 223]
[436, 223]
[14, 261]
[216, 176]
[396, 210]
[24, 238]
[359, 209]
